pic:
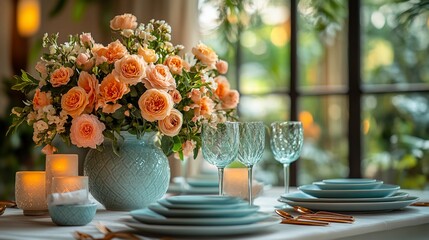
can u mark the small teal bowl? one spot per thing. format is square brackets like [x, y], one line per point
[72, 215]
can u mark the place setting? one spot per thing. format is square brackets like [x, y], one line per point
[349, 195]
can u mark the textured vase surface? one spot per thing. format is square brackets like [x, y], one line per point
[134, 179]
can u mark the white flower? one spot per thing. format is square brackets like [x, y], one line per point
[127, 33]
[52, 49]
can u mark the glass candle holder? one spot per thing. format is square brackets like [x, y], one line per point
[30, 194]
[69, 190]
[60, 165]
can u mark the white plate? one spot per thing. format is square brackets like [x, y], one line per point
[302, 197]
[349, 180]
[202, 213]
[202, 230]
[353, 206]
[164, 202]
[382, 191]
[351, 186]
[177, 188]
[150, 217]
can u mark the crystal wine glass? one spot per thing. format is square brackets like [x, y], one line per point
[220, 145]
[251, 149]
[286, 143]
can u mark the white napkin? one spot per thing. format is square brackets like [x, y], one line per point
[69, 198]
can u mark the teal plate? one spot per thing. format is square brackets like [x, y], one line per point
[302, 197]
[201, 231]
[203, 199]
[202, 213]
[177, 188]
[349, 180]
[353, 206]
[150, 217]
[164, 202]
[383, 191]
[197, 182]
[351, 186]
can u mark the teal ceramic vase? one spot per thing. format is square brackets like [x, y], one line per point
[134, 179]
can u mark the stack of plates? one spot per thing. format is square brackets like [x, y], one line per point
[200, 216]
[356, 194]
[197, 185]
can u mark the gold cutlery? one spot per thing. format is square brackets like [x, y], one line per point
[2, 209]
[108, 234]
[304, 210]
[420, 204]
[326, 218]
[9, 204]
[289, 219]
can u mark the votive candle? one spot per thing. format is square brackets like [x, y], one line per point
[60, 165]
[30, 194]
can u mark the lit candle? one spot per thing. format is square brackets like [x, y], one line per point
[60, 165]
[30, 194]
[235, 180]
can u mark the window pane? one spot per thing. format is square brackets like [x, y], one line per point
[322, 44]
[265, 50]
[325, 149]
[393, 54]
[396, 133]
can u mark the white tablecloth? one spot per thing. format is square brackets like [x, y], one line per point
[409, 223]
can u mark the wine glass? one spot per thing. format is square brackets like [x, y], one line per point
[286, 143]
[220, 145]
[251, 148]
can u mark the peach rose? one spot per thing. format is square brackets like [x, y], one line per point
[206, 106]
[195, 95]
[130, 69]
[205, 54]
[175, 64]
[111, 108]
[188, 147]
[222, 66]
[49, 149]
[175, 94]
[87, 131]
[222, 86]
[74, 101]
[124, 21]
[149, 55]
[41, 99]
[41, 68]
[111, 89]
[171, 125]
[110, 54]
[158, 76]
[61, 76]
[155, 104]
[84, 62]
[90, 84]
[230, 100]
[86, 39]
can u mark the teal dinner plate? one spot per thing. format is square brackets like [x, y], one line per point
[302, 197]
[150, 217]
[351, 186]
[353, 206]
[164, 202]
[200, 231]
[177, 188]
[200, 182]
[202, 213]
[203, 199]
[382, 191]
[349, 180]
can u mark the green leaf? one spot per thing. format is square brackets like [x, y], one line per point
[177, 144]
[167, 145]
[25, 83]
[57, 8]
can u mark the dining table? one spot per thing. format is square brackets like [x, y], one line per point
[411, 222]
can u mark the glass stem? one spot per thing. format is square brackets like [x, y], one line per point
[249, 184]
[220, 172]
[286, 173]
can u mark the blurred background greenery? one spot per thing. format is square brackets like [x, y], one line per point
[254, 37]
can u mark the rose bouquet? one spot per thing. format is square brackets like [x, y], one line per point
[139, 83]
